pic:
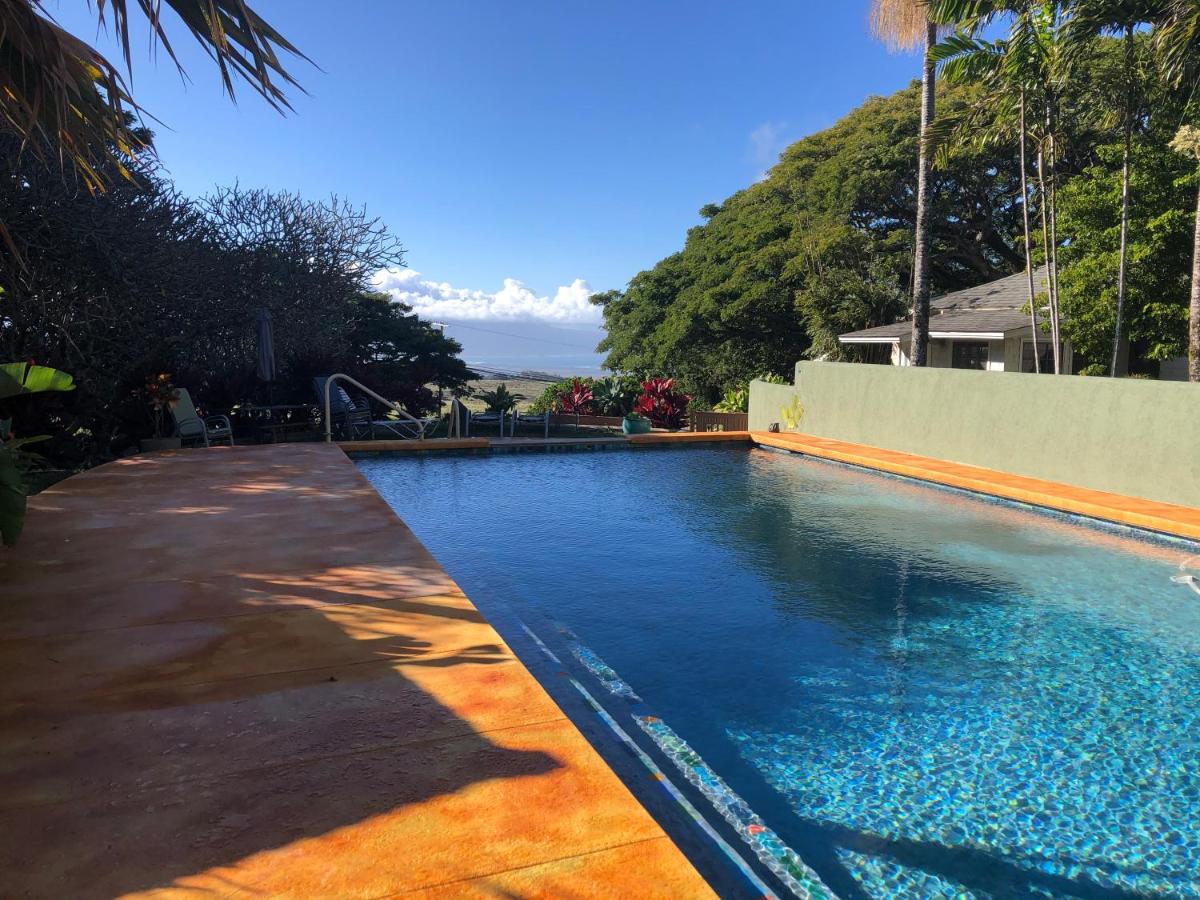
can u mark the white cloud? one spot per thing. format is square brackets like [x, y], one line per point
[765, 143]
[513, 302]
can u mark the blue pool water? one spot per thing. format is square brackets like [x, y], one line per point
[924, 693]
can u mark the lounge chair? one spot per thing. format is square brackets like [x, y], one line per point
[189, 426]
[542, 418]
[485, 418]
[354, 421]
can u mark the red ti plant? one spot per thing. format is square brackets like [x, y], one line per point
[577, 400]
[661, 404]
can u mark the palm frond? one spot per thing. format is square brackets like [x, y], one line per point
[1177, 40]
[67, 103]
[901, 24]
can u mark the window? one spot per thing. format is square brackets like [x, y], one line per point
[1045, 356]
[969, 355]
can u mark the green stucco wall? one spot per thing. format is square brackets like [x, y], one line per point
[1130, 436]
[766, 401]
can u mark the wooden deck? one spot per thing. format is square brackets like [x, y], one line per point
[234, 671]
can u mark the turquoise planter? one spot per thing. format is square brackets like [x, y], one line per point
[635, 426]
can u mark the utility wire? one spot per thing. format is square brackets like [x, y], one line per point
[520, 337]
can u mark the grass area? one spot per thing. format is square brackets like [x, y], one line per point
[530, 390]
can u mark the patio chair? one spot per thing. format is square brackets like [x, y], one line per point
[405, 429]
[189, 426]
[542, 418]
[485, 418]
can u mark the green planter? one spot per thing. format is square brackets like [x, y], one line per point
[635, 426]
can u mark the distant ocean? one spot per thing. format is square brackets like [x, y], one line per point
[529, 346]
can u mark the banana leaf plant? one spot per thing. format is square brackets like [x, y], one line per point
[16, 380]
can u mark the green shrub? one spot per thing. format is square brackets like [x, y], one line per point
[615, 395]
[548, 400]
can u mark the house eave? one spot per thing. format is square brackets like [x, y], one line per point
[968, 335]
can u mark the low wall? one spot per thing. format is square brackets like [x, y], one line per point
[1135, 437]
[767, 402]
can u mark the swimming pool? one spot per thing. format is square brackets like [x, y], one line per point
[924, 692]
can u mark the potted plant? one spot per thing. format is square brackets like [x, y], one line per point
[635, 424]
[162, 395]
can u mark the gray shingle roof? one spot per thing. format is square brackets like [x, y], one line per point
[990, 308]
[1011, 292]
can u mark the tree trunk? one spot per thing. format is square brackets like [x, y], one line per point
[921, 240]
[1122, 266]
[1044, 192]
[1037, 366]
[1194, 306]
[1051, 201]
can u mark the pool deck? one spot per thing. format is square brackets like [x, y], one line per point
[235, 671]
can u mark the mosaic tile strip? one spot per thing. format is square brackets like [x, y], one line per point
[694, 814]
[767, 845]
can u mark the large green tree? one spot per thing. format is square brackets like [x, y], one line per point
[121, 285]
[750, 292]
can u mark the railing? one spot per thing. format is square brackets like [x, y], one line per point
[395, 407]
[715, 421]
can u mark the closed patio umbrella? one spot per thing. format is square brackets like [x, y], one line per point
[266, 345]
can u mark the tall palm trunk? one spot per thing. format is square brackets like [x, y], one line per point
[1055, 309]
[1194, 305]
[1044, 193]
[1122, 266]
[921, 241]
[1037, 366]
[1046, 183]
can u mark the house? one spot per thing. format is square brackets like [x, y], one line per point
[985, 327]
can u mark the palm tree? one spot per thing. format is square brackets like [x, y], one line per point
[1187, 142]
[1023, 69]
[1123, 17]
[1176, 41]
[1003, 72]
[906, 25]
[65, 101]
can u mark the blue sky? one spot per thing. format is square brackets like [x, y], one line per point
[559, 146]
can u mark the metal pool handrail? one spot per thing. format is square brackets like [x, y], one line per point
[366, 390]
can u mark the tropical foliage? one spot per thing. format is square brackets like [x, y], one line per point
[615, 395]
[1052, 145]
[67, 104]
[822, 245]
[139, 280]
[500, 400]
[576, 400]
[18, 381]
[659, 402]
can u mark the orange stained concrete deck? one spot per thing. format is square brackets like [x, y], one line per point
[1168, 518]
[235, 671]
